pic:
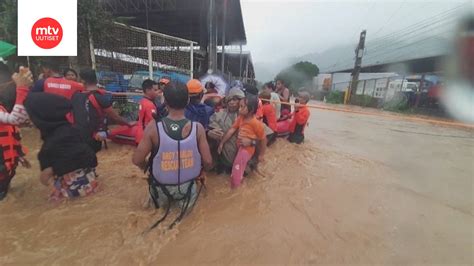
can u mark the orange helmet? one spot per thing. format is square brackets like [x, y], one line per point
[194, 86]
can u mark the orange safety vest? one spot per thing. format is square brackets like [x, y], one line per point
[10, 147]
[62, 86]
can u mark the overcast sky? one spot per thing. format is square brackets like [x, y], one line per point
[278, 29]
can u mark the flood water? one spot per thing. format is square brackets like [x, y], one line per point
[362, 189]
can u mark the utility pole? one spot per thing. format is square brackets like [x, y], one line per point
[212, 36]
[224, 28]
[240, 63]
[357, 66]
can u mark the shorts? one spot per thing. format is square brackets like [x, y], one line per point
[178, 193]
[75, 184]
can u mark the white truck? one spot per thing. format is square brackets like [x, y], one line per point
[402, 85]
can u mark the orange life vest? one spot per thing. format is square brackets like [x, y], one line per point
[62, 86]
[10, 147]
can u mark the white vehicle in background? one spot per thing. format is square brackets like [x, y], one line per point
[410, 86]
[400, 85]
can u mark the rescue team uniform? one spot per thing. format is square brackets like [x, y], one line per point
[146, 113]
[10, 153]
[269, 118]
[10, 146]
[176, 163]
[91, 119]
[298, 124]
[58, 86]
[174, 167]
[252, 129]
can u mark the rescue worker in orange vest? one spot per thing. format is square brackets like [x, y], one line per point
[102, 105]
[54, 82]
[11, 151]
[300, 118]
[148, 109]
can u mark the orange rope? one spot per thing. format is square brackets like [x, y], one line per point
[390, 116]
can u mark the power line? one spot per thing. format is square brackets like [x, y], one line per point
[406, 37]
[422, 28]
[405, 46]
[433, 28]
[399, 55]
[421, 25]
[427, 21]
[444, 14]
[359, 28]
[407, 32]
[391, 17]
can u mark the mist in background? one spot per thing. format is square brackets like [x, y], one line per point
[281, 33]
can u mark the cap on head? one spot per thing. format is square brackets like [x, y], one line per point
[194, 86]
[236, 92]
[304, 95]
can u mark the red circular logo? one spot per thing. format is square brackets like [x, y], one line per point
[47, 33]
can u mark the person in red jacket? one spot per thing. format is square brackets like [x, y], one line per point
[300, 119]
[101, 106]
[148, 109]
[61, 86]
[268, 116]
[54, 82]
[12, 114]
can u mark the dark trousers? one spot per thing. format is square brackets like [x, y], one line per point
[297, 138]
[5, 180]
[271, 138]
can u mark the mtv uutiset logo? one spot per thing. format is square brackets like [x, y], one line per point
[47, 33]
[47, 28]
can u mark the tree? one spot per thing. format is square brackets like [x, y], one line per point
[298, 75]
[8, 21]
[94, 20]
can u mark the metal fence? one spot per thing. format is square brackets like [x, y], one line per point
[126, 50]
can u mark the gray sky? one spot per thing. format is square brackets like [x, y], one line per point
[278, 29]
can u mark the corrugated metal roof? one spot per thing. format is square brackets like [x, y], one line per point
[394, 53]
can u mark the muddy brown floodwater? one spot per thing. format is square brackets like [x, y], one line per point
[362, 189]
